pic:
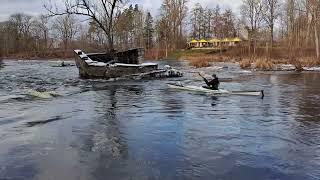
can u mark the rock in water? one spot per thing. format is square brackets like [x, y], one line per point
[44, 95]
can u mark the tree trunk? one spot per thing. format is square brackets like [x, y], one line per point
[267, 51]
[316, 39]
[166, 49]
[271, 36]
[65, 47]
[254, 43]
[308, 32]
[110, 27]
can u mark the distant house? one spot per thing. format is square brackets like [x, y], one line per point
[193, 43]
[203, 43]
[230, 41]
[214, 43]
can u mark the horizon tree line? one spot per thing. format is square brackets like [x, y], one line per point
[115, 24]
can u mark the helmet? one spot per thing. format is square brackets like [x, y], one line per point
[214, 75]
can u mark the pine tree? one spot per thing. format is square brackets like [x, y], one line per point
[148, 31]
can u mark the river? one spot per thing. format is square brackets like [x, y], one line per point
[98, 129]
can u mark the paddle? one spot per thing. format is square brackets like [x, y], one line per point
[220, 79]
[200, 75]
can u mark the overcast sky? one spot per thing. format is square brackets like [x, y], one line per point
[35, 7]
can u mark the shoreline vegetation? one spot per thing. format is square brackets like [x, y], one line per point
[268, 33]
[261, 61]
[278, 60]
[39, 56]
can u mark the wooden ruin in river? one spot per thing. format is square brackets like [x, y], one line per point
[120, 64]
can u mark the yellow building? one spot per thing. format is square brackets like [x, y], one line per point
[214, 42]
[203, 43]
[236, 40]
[193, 43]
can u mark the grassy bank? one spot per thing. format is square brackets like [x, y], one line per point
[261, 60]
[201, 58]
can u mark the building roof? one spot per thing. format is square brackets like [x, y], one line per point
[203, 41]
[225, 40]
[214, 40]
[236, 39]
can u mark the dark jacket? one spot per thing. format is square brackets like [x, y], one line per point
[213, 84]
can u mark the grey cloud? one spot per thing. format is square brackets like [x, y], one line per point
[35, 7]
[31, 7]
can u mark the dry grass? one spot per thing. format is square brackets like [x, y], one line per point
[154, 53]
[309, 61]
[300, 58]
[245, 63]
[209, 58]
[263, 64]
[297, 64]
[204, 60]
[259, 63]
[198, 63]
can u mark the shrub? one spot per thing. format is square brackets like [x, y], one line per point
[198, 63]
[309, 61]
[264, 64]
[245, 63]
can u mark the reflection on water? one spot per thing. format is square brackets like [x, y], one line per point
[1, 64]
[98, 129]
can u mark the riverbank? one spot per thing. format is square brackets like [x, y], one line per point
[204, 58]
[278, 61]
[46, 54]
[13, 57]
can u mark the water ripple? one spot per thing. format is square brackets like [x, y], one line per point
[142, 130]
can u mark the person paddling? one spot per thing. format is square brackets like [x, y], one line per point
[213, 84]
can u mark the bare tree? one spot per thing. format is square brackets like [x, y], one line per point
[270, 15]
[174, 12]
[251, 12]
[290, 23]
[102, 12]
[163, 34]
[66, 28]
[228, 20]
[315, 8]
[208, 25]
[217, 23]
[19, 25]
[40, 31]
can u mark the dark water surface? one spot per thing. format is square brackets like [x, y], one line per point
[97, 129]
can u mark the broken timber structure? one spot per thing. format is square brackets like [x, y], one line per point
[119, 64]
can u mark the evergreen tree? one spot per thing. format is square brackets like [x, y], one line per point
[148, 31]
[138, 26]
[197, 22]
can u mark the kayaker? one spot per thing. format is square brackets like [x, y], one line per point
[212, 84]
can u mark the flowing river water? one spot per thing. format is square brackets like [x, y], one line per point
[98, 129]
